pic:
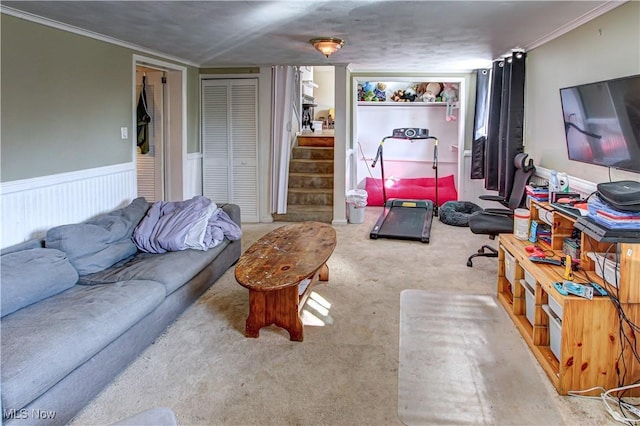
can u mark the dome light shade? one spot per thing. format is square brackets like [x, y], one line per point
[327, 45]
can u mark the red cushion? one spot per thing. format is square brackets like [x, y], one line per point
[412, 188]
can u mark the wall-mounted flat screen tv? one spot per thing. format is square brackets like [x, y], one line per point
[602, 122]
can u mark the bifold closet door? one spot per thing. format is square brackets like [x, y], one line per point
[230, 143]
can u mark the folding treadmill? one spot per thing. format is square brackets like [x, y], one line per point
[406, 219]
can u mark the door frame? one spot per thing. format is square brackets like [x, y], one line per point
[175, 124]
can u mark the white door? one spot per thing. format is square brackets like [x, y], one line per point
[150, 166]
[230, 143]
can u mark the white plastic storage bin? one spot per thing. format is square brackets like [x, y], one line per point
[530, 302]
[529, 279]
[509, 267]
[555, 331]
[611, 272]
[556, 307]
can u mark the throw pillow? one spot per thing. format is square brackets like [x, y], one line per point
[95, 245]
[29, 276]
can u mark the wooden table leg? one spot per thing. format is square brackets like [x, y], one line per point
[323, 274]
[279, 307]
[256, 319]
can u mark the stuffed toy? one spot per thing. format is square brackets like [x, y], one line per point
[372, 92]
[409, 94]
[432, 90]
[421, 88]
[450, 95]
[405, 95]
[379, 92]
[366, 94]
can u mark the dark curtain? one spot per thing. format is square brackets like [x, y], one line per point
[493, 128]
[480, 123]
[503, 129]
[514, 128]
[505, 123]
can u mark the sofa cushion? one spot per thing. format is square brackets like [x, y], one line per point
[44, 342]
[99, 243]
[173, 269]
[29, 276]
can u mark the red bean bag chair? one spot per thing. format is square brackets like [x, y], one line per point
[412, 188]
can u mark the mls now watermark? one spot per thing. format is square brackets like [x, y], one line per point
[24, 414]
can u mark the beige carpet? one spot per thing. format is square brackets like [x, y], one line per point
[346, 370]
[450, 371]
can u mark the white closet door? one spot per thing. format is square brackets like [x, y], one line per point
[230, 143]
[215, 143]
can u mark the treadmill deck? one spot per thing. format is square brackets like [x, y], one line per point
[405, 220]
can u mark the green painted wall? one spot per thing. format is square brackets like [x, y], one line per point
[65, 98]
[604, 48]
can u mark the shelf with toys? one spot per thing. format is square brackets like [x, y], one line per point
[409, 104]
[407, 92]
[411, 93]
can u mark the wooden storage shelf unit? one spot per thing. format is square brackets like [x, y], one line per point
[587, 340]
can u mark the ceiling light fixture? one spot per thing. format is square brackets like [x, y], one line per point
[327, 45]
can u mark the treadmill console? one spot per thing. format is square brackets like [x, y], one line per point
[411, 133]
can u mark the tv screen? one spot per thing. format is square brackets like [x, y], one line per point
[602, 122]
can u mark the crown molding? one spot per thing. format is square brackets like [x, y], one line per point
[79, 31]
[589, 16]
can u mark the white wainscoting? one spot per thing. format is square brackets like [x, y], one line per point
[193, 176]
[581, 186]
[31, 206]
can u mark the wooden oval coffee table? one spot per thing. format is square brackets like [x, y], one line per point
[276, 267]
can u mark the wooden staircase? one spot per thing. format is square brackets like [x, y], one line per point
[310, 186]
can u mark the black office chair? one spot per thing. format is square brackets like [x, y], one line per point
[500, 221]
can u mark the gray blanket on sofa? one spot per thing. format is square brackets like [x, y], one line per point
[179, 225]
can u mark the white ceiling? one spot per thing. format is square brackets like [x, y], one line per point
[429, 36]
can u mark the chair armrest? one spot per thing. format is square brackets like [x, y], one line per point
[497, 198]
[501, 212]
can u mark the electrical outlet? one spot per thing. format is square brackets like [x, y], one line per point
[124, 133]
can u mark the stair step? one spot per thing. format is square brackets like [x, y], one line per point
[298, 213]
[302, 165]
[300, 208]
[310, 180]
[312, 153]
[310, 196]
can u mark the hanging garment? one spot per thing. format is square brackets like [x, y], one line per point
[143, 119]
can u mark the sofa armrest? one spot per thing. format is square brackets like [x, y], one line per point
[233, 210]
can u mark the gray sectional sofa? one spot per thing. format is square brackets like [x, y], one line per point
[72, 318]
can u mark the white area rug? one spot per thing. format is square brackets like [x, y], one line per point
[463, 362]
